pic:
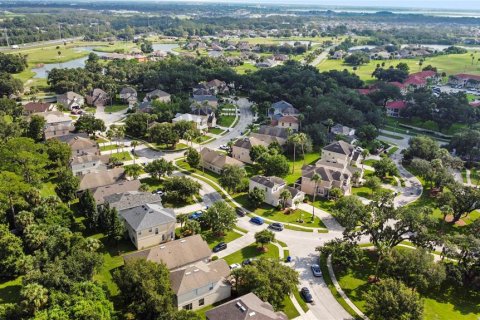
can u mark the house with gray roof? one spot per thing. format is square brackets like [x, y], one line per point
[130, 199]
[246, 307]
[158, 95]
[149, 224]
[273, 187]
[120, 187]
[282, 108]
[175, 254]
[128, 95]
[201, 284]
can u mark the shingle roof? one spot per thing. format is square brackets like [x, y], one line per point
[218, 159]
[199, 275]
[85, 159]
[268, 181]
[280, 105]
[175, 254]
[340, 147]
[120, 187]
[148, 216]
[81, 143]
[36, 107]
[102, 178]
[157, 94]
[288, 119]
[128, 90]
[248, 143]
[130, 199]
[273, 131]
[245, 307]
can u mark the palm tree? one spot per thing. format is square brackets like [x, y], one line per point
[302, 139]
[356, 177]
[134, 144]
[294, 138]
[120, 133]
[315, 178]
[365, 154]
[284, 196]
[329, 122]
[133, 171]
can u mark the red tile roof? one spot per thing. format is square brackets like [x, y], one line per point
[397, 104]
[475, 104]
[288, 119]
[465, 76]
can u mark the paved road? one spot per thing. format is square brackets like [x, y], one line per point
[40, 44]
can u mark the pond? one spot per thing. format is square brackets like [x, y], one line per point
[42, 72]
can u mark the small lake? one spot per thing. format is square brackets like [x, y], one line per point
[167, 47]
[42, 72]
[361, 47]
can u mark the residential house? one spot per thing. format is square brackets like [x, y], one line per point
[336, 169]
[57, 131]
[70, 100]
[209, 100]
[217, 86]
[246, 307]
[216, 161]
[84, 164]
[282, 108]
[37, 107]
[117, 188]
[145, 107]
[394, 108]
[54, 118]
[345, 132]
[175, 254]
[149, 224]
[93, 180]
[288, 122]
[273, 187]
[158, 95]
[268, 63]
[201, 284]
[338, 55]
[129, 95]
[81, 146]
[131, 199]
[201, 122]
[241, 148]
[465, 80]
[97, 98]
[271, 134]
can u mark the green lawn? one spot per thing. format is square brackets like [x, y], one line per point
[226, 121]
[365, 192]
[392, 136]
[310, 158]
[178, 146]
[300, 300]
[10, 291]
[289, 309]
[122, 156]
[48, 189]
[208, 174]
[217, 131]
[464, 175]
[369, 162]
[111, 147]
[203, 139]
[392, 150]
[116, 107]
[153, 184]
[252, 251]
[245, 68]
[272, 213]
[444, 304]
[213, 240]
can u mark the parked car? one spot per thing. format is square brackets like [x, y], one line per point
[257, 220]
[235, 266]
[306, 295]
[276, 226]
[196, 215]
[224, 147]
[219, 247]
[316, 270]
[159, 192]
[240, 212]
[248, 261]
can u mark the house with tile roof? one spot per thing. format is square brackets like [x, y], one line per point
[394, 108]
[201, 284]
[215, 161]
[246, 307]
[288, 122]
[273, 187]
[175, 254]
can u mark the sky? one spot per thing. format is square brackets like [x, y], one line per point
[430, 4]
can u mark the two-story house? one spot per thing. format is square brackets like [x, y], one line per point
[81, 146]
[158, 95]
[241, 148]
[70, 100]
[85, 164]
[288, 122]
[216, 161]
[201, 122]
[34, 107]
[335, 170]
[129, 95]
[97, 98]
[273, 187]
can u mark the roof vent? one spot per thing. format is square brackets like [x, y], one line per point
[251, 314]
[182, 241]
[162, 247]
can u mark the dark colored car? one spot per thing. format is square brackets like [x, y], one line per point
[248, 261]
[240, 212]
[196, 215]
[276, 226]
[306, 295]
[219, 247]
[257, 220]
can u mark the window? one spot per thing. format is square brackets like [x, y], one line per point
[163, 237]
[139, 232]
[156, 230]
[150, 230]
[187, 307]
[211, 286]
[201, 302]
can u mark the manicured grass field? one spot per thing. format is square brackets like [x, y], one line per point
[245, 68]
[310, 158]
[300, 300]
[115, 107]
[226, 121]
[272, 213]
[215, 130]
[178, 146]
[213, 239]
[443, 304]
[122, 156]
[111, 147]
[289, 309]
[252, 251]
[451, 64]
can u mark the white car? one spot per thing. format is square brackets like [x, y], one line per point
[235, 266]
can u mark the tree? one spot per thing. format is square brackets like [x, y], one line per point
[159, 168]
[344, 253]
[111, 224]
[264, 237]
[186, 315]
[275, 165]
[367, 132]
[373, 183]
[35, 128]
[89, 124]
[145, 289]
[220, 217]
[258, 151]
[59, 153]
[269, 279]
[315, 178]
[462, 200]
[256, 197]
[163, 134]
[67, 186]
[416, 268]
[392, 300]
[192, 157]
[34, 297]
[335, 193]
[190, 227]
[384, 167]
[421, 147]
[285, 195]
[181, 188]
[146, 46]
[466, 144]
[11, 252]
[88, 207]
[133, 170]
[12, 190]
[134, 144]
[231, 177]
[357, 58]
[136, 125]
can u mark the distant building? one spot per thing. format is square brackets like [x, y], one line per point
[201, 122]
[129, 95]
[395, 107]
[158, 95]
[282, 108]
[288, 122]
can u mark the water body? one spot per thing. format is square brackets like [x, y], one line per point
[167, 47]
[42, 72]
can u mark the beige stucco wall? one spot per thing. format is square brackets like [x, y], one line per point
[220, 291]
[241, 154]
[148, 237]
